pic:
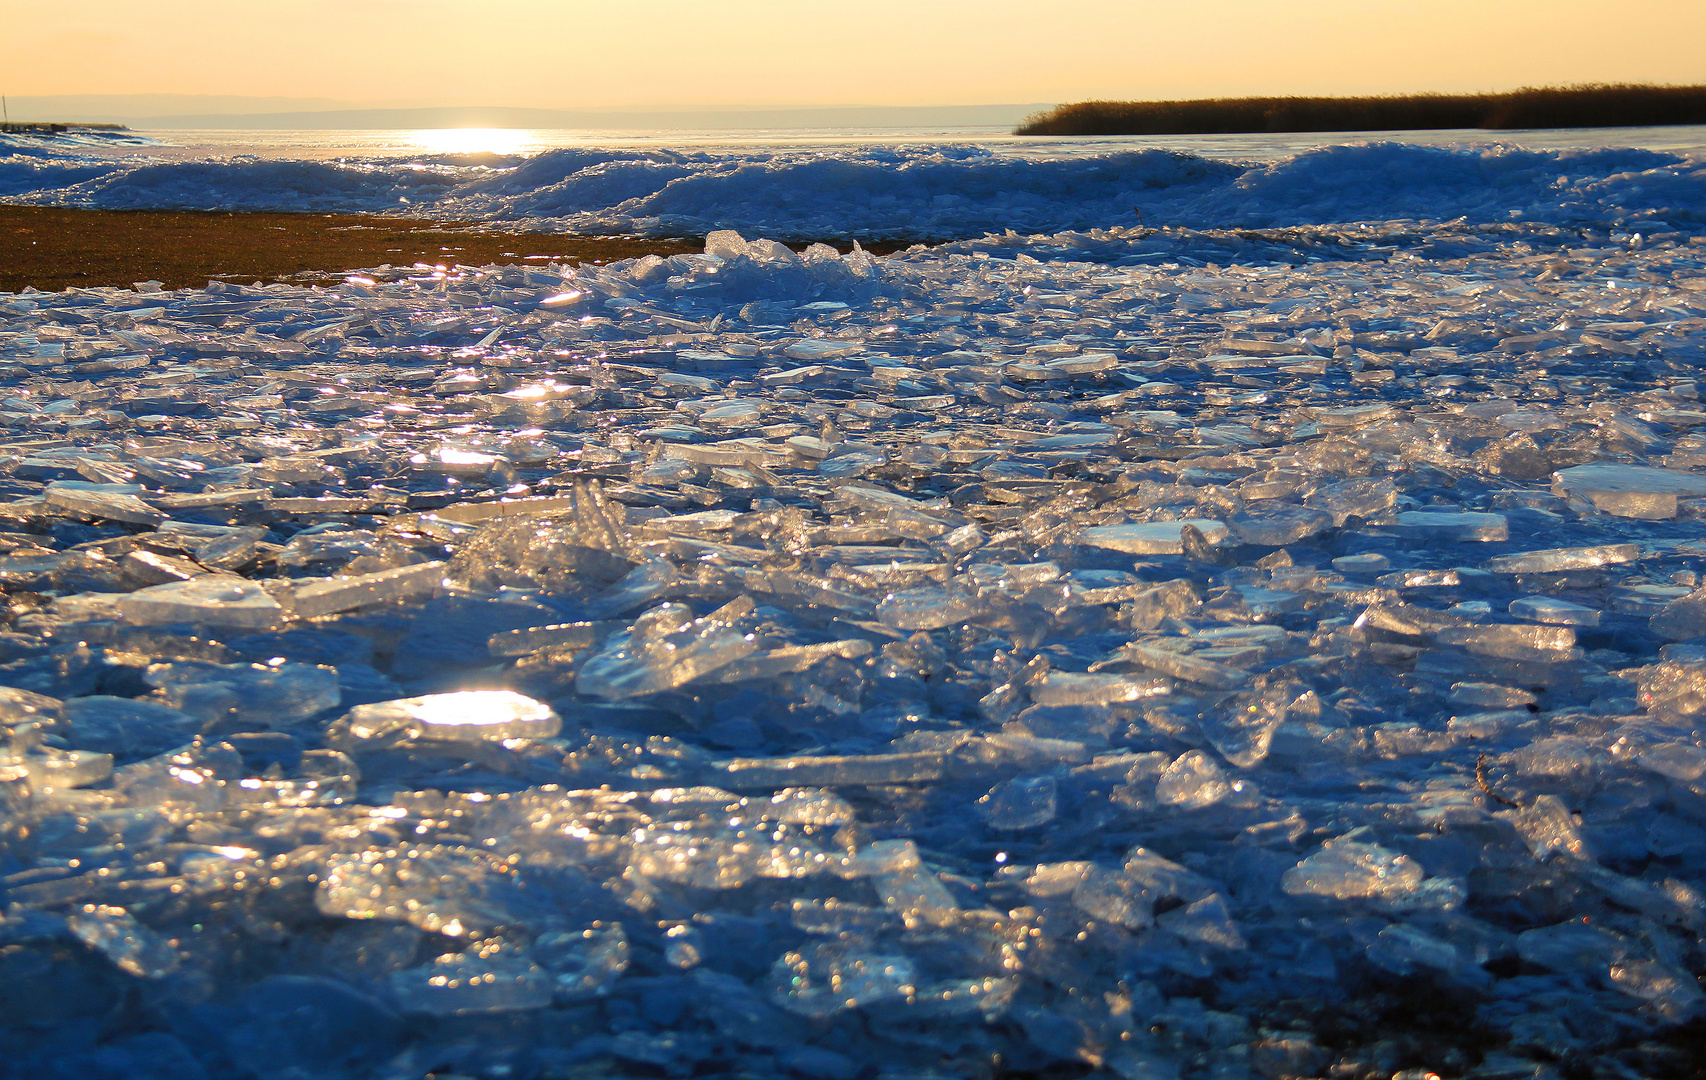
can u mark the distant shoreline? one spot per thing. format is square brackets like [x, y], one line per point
[1623, 105]
[48, 127]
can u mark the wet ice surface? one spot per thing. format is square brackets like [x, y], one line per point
[1246, 654]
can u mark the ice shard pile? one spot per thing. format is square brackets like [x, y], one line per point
[887, 192]
[1182, 656]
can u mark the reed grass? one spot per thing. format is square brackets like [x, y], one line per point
[1595, 105]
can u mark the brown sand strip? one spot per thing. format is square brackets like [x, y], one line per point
[52, 248]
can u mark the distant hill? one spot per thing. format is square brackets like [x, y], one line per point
[1621, 105]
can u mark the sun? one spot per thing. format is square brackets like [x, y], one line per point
[473, 140]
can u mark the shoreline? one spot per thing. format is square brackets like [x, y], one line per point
[56, 248]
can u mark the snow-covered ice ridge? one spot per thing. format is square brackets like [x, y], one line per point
[933, 193]
[1280, 655]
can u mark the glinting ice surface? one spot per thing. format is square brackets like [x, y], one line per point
[1173, 654]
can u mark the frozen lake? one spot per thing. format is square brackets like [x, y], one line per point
[1253, 147]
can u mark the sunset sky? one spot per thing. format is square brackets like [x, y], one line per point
[718, 53]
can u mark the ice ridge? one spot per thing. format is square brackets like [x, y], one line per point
[928, 193]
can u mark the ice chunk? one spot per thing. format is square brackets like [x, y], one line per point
[131, 946]
[1150, 607]
[1440, 525]
[1192, 782]
[385, 586]
[1557, 560]
[1181, 666]
[1489, 695]
[1155, 538]
[1547, 827]
[19, 707]
[1682, 618]
[263, 694]
[1632, 491]
[1401, 949]
[1243, 729]
[1067, 688]
[104, 506]
[127, 727]
[485, 979]
[807, 806]
[1570, 947]
[1368, 563]
[1208, 921]
[464, 716]
[442, 889]
[1550, 609]
[1679, 761]
[577, 542]
[149, 568]
[47, 768]
[824, 979]
[1672, 991]
[1275, 524]
[1020, 803]
[927, 608]
[214, 600]
[1116, 898]
[787, 660]
[748, 774]
[1350, 869]
[1511, 641]
[1052, 879]
[726, 856]
[1363, 498]
[202, 774]
[918, 896]
[812, 349]
[583, 963]
[667, 648]
[726, 244]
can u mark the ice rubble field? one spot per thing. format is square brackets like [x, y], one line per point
[925, 192]
[1163, 655]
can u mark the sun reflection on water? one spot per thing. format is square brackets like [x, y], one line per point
[473, 140]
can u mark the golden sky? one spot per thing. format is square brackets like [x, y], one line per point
[582, 54]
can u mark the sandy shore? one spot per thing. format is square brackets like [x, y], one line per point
[52, 248]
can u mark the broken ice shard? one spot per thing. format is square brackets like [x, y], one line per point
[1020, 803]
[1630, 491]
[1156, 538]
[1349, 869]
[263, 695]
[464, 716]
[667, 648]
[1436, 525]
[105, 506]
[213, 600]
[459, 984]
[1557, 560]
[384, 586]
